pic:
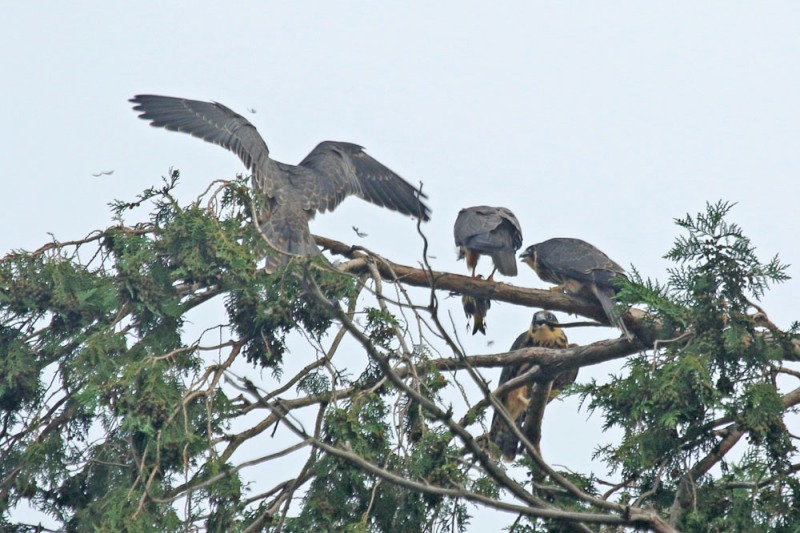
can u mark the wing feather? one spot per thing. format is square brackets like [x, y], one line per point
[214, 123]
[499, 432]
[579, 260]
[344, 168]
[486, 229]
[490, 230]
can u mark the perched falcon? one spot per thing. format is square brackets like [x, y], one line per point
[493, 231]
[543, 332]
[580, 269]
[291, 194]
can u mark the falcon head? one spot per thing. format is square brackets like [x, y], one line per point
[544, 331]
[529, 257]
[543, 319]
[540, 261]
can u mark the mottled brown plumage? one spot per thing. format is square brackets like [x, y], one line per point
[543, 332]
[580, 269]
[292, 194]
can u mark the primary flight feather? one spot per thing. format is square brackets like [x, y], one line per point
[292, 194]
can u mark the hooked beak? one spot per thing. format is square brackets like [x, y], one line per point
[528, 256]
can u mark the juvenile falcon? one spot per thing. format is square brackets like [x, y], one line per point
[493, 231]
[543, 332]
[292, 194]
[580, 269]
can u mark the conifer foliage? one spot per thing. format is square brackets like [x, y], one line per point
[150, 369]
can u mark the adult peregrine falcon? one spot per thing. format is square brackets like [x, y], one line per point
[580, 269]
[543, 332]
[493, 231]
[292, 193]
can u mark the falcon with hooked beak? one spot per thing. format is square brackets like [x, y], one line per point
[580, 269]
[543, 332]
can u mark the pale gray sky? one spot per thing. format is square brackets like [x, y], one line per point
[601, 121]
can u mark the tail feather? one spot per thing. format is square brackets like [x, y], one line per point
[506, 263]
[540, 397]
[502, 436]
[287, 232]
[605, 296]
[479, 324]
[476, 308]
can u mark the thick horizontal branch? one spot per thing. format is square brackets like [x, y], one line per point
[551, 361]
[647, 331]
[498, 291]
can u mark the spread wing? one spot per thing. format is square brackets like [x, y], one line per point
[213, 123]
[325, 177]
[340, 169]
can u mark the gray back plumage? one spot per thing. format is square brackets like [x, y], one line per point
[293, 194]
[493, 231]
[562, 258]
[577, 259]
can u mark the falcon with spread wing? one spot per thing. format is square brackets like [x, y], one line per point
[543, 332]
[493, 231]
[580, 269]
[292, 194]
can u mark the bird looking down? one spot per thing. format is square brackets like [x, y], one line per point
[580, 269]
[493, 231]
[292, 194]
[543, 332]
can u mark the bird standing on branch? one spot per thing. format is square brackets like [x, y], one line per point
[543, 332]
[292, 194]
[492, 231]
[579, 269]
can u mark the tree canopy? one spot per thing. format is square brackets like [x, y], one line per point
[144, 368]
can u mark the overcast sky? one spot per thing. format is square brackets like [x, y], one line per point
[602, 121]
